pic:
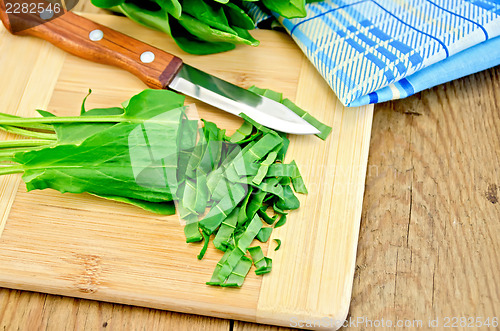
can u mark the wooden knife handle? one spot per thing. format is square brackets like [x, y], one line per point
[89, 40]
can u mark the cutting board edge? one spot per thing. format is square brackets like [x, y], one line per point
[300, 320]
[274, 317]
[106, 295]
[14, 182]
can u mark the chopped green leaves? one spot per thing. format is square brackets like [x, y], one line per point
[191, 229]
[324, 129]
[252, 159]
[278, 243]
[281, 221]
[224, 235]
[298, 183]
[264, 167]
[257, 256]
[265, 269]
[264, 234]
[242, 133]
[268, 219]
[222, 209]
[206, 239]
[238, 274]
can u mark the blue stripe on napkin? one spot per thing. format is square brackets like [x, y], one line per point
[376, 50]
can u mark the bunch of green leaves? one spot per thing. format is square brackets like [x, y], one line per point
[201, 26]
[92, 152]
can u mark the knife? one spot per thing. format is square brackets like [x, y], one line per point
[155, 67]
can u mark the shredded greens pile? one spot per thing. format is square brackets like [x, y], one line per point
[202, 26]
[150, 154]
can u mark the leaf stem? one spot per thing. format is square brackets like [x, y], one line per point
[66, 119]
[25, 143]
[28, 133]
[7, 170]
[26, 125]
[10, 152]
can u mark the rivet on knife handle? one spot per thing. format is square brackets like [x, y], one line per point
[92, 41]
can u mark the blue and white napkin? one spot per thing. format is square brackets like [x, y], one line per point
[372, 51]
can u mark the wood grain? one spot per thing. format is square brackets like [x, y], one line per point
[71, 33]
[429, 243]
[36, 311]
[17, 95]
[83, 246]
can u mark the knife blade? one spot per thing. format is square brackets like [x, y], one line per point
[235, 100]
[157, 68]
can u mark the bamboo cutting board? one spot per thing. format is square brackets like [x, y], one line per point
[83, 246]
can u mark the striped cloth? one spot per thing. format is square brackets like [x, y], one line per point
[371, 51]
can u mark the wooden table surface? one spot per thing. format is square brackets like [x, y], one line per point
[429, 242]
